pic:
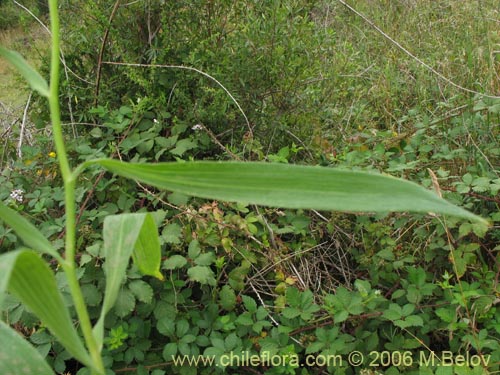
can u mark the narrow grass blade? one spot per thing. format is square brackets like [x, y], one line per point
[18, 356]
[34, 79]
[290, 186]
[26, 275]
[124, 236]
[30, 235]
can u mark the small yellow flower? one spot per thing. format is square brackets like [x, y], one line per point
[52, 154]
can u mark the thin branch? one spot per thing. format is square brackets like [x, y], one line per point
[23, 126]
[101, 52]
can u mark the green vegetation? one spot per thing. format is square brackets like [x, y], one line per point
[296, 82]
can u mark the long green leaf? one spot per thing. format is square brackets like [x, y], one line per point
[290, 186]
[27, 276]
[34, 79]
[124, 236]
[17, 356]
[30, 235]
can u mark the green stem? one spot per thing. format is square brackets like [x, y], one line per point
[69, 196]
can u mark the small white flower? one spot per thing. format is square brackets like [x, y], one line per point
[197, 127]
[155, 121]
[17, 195]
[138, 100]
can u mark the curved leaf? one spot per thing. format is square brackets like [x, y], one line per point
[124, 236]
[18, 356]
[34, 79]
[30, 235]
[290, 186]
[27, 276]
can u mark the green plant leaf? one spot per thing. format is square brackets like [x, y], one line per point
[30, 235]
[227, 298]
[147, 253]
[125, 303]
[201, 274]
[175, 261]
[141, 290]
[34, 79]
[27, 276]
[290, 186]
[16, 353]
[124, 236]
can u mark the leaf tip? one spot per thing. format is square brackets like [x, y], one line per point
[159, 276]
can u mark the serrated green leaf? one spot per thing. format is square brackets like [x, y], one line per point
[413, 294]
[125, 303]
[291, 312]
[244, 319]
[126, 235]
[30, 235]
[169, 351]
[401, 323]
[194, 249]
[29, 278]
[181, 327]
[340, 316]
[227, 298]
[166, 326]
[392, 314]
[182, 146]
[91, 294]
[414, 321]
[231, 342]
[293, 297]
[291, 186]
[202, 274]
[34, 79]
[446, 314]
[315, 347]
[141, 290]
[172, 233]
[250, 304]
[187, 339]
[174, 262]
[16, 353]
[205, 259]
[407, 309]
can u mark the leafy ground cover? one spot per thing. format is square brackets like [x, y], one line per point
[318, 85]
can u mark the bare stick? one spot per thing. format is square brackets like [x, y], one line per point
[101, 52]
[23, 126]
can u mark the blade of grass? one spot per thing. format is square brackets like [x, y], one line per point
[290, 186]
